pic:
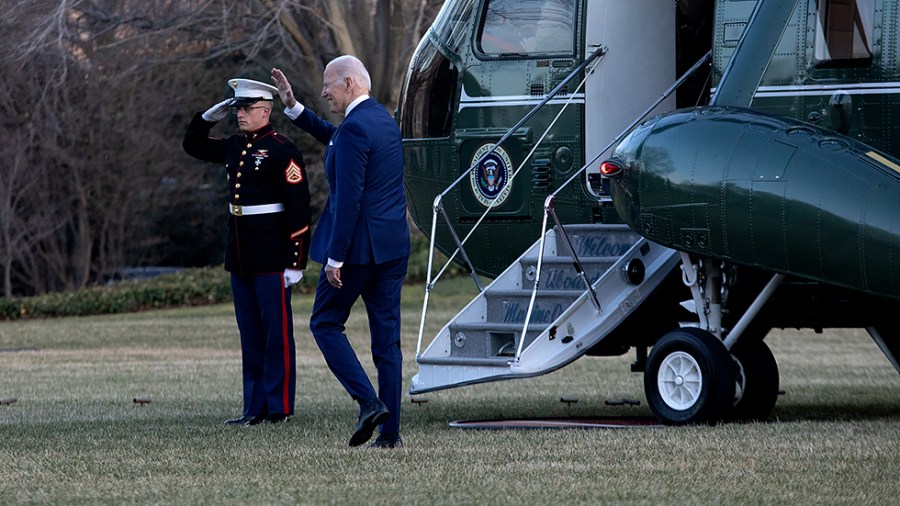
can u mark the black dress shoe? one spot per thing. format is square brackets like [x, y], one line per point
[387, 442]
[246, 420]
[277, 418]
[373, 413]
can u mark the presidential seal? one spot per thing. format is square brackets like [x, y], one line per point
[490, 179]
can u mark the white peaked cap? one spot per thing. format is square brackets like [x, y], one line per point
[247, 91]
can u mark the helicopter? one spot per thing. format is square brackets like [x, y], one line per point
[738, 173]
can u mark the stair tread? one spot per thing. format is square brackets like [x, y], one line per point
[565, 259]
[471, 361]
[597, 226]
[491, 325]
[542, 292]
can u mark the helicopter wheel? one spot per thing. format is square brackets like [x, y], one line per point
[756, 379]
[689, 378]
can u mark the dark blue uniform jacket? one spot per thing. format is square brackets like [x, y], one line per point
[263, 167]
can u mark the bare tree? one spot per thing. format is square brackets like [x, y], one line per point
[380, 33]
[95, 98]
[22, 224]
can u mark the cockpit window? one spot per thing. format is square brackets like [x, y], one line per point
[452, 23]
[528, 27]
[844, 33]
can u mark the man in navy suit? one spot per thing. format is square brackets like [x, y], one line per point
[362, 241]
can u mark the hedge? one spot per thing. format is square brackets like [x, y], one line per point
[191, 287]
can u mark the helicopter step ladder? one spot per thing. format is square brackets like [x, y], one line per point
[483, 342]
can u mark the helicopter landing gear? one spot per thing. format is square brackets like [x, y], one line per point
[704, 374]
[689, 378]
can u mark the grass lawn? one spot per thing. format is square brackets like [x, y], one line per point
[74, 436]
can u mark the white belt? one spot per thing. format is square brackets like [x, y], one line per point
[248, 210]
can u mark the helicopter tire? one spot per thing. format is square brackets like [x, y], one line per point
[756, 377]
[690, 378]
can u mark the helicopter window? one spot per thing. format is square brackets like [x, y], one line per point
[528, 27]
[452, 22]
[427, 99]
[844, 33]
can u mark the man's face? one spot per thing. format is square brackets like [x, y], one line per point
[254, 116]
[336, 91]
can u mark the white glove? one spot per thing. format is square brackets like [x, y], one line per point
[292, 277]
[218, 112]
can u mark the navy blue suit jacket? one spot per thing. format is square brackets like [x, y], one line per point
[364, 221]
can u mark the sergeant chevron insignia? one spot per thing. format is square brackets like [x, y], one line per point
[293, 173]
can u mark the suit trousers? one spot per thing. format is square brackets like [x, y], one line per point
[262, 306]
[379, 286]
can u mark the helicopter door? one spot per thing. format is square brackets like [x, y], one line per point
[521, 50]
[835, 67]
[844, 67]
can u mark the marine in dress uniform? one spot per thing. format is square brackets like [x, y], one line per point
[362, 241]
[267, 243]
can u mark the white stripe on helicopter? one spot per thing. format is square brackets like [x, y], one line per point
[891, 88]
[827, 89]
[513, 100]
[762, 92]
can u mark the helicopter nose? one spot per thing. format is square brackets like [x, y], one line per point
[625, 155]
[603, 179]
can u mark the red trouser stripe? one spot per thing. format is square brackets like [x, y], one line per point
[287, 346]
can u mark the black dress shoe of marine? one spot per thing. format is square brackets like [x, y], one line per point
[372, 414]
[383, 441]
[246, 420]
[277, 418]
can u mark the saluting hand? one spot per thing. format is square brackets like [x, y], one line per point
[284, 88]
[334, 276]
[218, 112]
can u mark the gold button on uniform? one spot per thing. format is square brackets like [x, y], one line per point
[241, 164]
[238, 185]
[243, 152]
[238, 174]
[236, 196]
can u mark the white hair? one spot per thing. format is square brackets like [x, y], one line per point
[350, 66]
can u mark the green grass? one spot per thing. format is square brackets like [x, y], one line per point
[76, 437]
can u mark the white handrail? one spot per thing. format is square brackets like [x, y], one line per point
[437, 205]
[525, 160]
[428, 282]
[548, 202]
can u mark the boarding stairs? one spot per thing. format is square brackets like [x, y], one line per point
[563, 296]
[489, 340]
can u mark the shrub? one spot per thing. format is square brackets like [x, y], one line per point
[190, 287]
